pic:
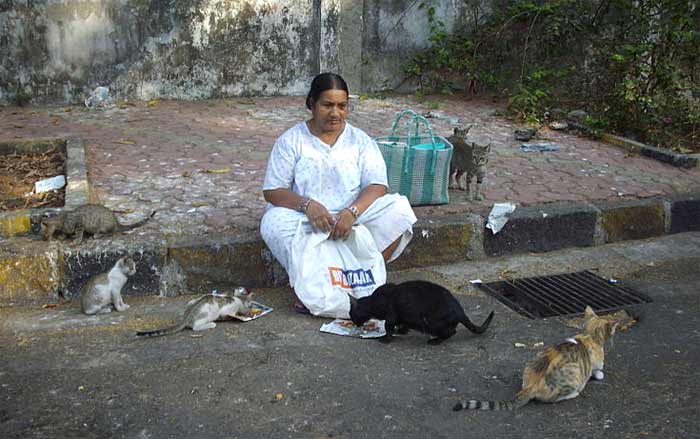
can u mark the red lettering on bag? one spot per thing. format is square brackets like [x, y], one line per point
[338, 277]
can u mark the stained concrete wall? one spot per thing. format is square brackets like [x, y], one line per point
[59, 50]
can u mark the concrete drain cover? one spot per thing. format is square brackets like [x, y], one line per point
[562, 294]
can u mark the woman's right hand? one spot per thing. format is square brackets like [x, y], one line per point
[319, 217]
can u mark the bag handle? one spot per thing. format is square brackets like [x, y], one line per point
[416, 119]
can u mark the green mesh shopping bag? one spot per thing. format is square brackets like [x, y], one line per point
[417, 161]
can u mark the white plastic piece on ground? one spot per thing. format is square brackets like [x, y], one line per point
[500, 212]
[50, 184]
[99, 98]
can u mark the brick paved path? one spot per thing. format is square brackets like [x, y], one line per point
[162, 156]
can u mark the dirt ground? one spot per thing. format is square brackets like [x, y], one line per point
[19, 172]
[67, 375]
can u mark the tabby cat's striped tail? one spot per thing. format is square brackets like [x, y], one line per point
[520, 400]
[127, 227]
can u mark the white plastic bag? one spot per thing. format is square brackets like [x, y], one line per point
[325, 271]
[99, 98]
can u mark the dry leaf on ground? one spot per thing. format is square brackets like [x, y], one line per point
[216, 171]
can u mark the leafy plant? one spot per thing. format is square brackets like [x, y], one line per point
[632, 64]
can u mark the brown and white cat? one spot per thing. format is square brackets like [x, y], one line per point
[560, 372]
[104, 291]
[470, 158]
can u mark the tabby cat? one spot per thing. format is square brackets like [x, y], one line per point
[470, 158]
[560, 372]
[90, 219]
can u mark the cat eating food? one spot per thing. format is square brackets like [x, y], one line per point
[470, 158]
[103, 291]
[201, 313]
[560, 372]
[418, 305]
[91, 219]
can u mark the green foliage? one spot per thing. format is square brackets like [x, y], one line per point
[634, 65]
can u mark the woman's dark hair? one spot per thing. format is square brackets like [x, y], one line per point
[323, 82]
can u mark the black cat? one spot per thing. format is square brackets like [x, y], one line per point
[419, 305]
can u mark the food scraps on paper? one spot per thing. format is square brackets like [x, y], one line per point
[371, 329]
[257, 310]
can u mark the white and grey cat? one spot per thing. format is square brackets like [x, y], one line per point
[103, 292]
[201, 313]
[470, 158]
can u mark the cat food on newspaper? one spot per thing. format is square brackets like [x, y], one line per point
[371, 329]
[256, 310]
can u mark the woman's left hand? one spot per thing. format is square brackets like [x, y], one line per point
[343, 225]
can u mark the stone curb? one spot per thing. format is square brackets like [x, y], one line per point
[660, 154]
[33, 271]
[77, 191]
[663, 155]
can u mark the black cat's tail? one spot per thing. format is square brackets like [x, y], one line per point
[125, 227]
[477, 329]
[522, 398]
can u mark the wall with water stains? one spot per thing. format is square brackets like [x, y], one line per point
[59, 50]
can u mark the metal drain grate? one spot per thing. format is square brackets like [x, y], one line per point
[562, 294]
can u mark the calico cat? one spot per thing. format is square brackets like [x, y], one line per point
[470, 158]
[201, 313]
[92, 219]
[560, 372]
[103, 291]
[419, 305]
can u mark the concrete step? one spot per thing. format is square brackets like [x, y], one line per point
[34, 271]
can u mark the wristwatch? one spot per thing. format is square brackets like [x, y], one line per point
[354, 211]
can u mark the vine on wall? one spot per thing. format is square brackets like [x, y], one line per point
[633, 65]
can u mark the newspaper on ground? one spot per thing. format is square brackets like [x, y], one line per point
[373, 328]
[539, 147]
[257, 310]
[50, 184]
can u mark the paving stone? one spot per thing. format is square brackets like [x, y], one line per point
[543, 228]
[685, 212]
[79, 263]
[635, 219]
[30, 272]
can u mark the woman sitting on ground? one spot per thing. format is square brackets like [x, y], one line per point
[333, 174]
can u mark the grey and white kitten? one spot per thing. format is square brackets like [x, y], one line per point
[201, 313]
[470, 158]
[103, 291]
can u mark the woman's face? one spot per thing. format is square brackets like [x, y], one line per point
[330, 110]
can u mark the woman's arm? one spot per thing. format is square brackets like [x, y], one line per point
[283, 198]
[368, 196]
[318, 215]
[346, 219]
